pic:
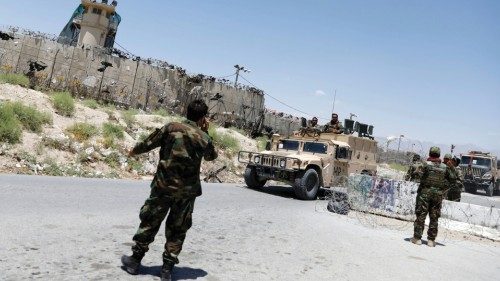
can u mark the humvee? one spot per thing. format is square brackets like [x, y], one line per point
[480, 170]
[308, 161]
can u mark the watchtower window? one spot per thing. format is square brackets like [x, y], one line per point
[96, 11]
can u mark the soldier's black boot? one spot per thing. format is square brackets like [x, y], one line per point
[166, 271]
[131, 264]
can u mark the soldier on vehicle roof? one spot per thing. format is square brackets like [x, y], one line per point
[334, 126]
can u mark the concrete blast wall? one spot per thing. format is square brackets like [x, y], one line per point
[128, 82]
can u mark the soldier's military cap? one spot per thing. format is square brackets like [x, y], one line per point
[448, 156]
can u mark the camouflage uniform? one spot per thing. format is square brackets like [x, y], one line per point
[414, 171]
[455, 192]
[435, 179]
[335, 128]
[175, 186]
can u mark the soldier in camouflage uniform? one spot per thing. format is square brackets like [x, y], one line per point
[175, 186]
[334, 126]
[455, 192]
[412, 174]
[435, 179]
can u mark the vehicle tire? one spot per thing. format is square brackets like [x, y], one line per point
[471, 189]
[252, 180]
[306, 187]
[489, 190]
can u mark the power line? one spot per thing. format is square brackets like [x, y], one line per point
[283, 103]
[124, 48]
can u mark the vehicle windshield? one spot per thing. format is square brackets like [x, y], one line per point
[288, 145]
[468, 160]
[315, 147]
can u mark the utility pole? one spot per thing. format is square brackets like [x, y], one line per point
[238, 69]
[399, 144]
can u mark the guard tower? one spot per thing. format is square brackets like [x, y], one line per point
[92, 24]
[97, 23]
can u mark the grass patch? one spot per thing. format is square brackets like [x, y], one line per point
[30, 117]
[224, 141]
[15, 79]
[110, 130]
[63, 103]
[398, 167]
[51, 168]
[90, 103]
[135, 165]
[10, 127]
[142, 137]
[261, 143]
[129, 116]
[113, 159]
[82, 131]
[161, 111]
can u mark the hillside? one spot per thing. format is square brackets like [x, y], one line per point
[94, 140]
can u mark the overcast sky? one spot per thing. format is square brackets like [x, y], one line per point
[429, 70]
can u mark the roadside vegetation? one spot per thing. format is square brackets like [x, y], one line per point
[15, 79]
[229, 144]
[82, 131]
[90, 103]
[15, 116]
[64, 103]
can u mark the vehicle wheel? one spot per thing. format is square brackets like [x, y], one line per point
[306, 187]
[251, 178]
[490, 189]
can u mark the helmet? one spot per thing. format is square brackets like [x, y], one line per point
[448, 156]
[435, 150]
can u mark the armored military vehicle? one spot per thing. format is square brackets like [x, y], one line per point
[480, 170]
[310, 159]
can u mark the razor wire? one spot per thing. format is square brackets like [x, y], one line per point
[379, 202]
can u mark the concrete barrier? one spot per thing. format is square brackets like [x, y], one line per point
[395, 198]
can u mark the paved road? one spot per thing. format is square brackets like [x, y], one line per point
[77, 229]
[481, 199]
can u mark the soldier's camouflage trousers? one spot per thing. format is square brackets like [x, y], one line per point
[178, 222]
[428, 202]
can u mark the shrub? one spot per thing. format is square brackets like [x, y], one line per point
[30, 117]
[113, 159]
[161, 111]
[261, 143]
[90, 103]
[109, 143]
[224, 141]
[63, 103]
[16, 79]
[398, 167]
[110, 130]
[10, 127]
[52, 169]
[129, 116]
[82, 131]
[135, 165]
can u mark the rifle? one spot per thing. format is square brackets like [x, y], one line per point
[214, 174]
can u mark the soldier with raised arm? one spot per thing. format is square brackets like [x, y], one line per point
[175, 186]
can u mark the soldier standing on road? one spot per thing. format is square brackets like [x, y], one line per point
[455, 192]
[435, 179]
[412, 174]
[175, 186]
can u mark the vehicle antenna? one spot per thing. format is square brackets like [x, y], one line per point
[334, 98]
